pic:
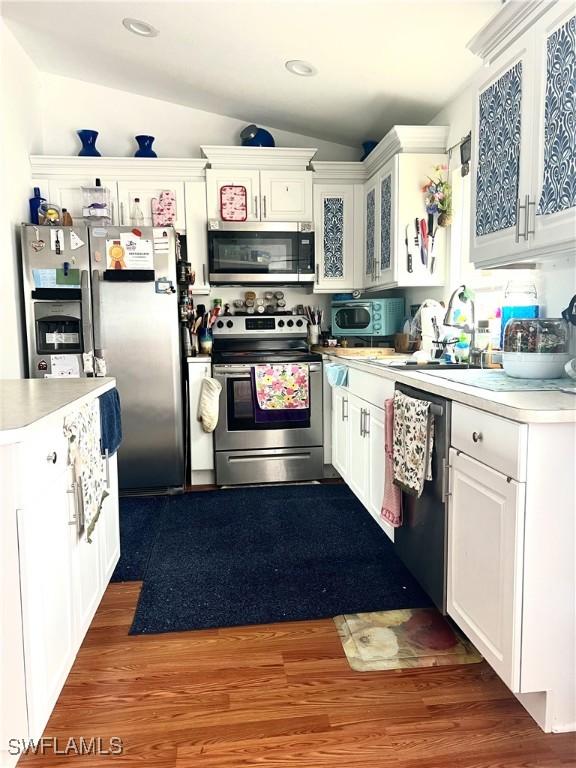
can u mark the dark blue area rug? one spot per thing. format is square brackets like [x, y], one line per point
[258, 555]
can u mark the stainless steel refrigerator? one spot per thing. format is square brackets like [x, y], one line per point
[109, 294]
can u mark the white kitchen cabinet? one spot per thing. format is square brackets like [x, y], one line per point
[485, 561]
[337, 212]
[47, 589]
[340, 430]
[394, 201]
[358, 465]
[197, 234]
[358, 440]
[271, 195]
[66, 192]
[58, 575]
[146, 191]
[523, 179]
[218, 178]
[201, 443]
[286, 195]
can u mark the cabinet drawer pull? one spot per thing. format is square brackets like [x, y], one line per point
[344, 409]
[527, 230]
[477, 437]
[265, 212]
[366, 422]
[256, 207]
[52, 458]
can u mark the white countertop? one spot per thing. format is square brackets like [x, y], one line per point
[525, 407]
[23, 402]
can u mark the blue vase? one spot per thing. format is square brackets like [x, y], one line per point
[145, 146]
[88, 139]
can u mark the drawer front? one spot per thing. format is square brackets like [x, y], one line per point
[497, 442]
[46, 452]
[374, 389]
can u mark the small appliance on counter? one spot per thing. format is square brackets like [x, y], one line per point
[367, 317]
[535, 348]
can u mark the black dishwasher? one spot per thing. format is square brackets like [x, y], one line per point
[421, 540]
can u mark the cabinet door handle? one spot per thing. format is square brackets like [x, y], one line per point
[265, 211]
[362, 422]
[112, 212]
[317, 274]
[477, 437]
[517, 232]
[344, 409]
[256, 206]
[121, 214]
[107, 458]
[52, 458]
[204, 274]
[366, 422]
[527, 206]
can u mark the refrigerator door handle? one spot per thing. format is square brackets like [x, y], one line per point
[96, 312]
[85, 305]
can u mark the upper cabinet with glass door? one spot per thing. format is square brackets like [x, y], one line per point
[554, 201]
[524, 146]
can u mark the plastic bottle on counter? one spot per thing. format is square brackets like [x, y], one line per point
[136, 214]
[520, 301]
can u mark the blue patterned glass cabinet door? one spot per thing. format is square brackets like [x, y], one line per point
[558, 191]
[333, 238]
[385, 221]
[370, 232]
[498, 161]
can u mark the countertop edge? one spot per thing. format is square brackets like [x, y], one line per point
[465, 394]
[18, 434]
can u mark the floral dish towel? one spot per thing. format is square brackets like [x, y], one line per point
[413, 443]
[82, 428]
[282, 386]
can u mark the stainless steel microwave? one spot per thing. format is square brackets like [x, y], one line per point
[260, 252]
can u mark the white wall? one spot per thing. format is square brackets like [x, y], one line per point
[20, 136]
[70, 104]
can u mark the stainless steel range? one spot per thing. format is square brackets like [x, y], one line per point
[249, 450]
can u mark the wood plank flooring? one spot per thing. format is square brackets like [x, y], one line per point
[281, 696]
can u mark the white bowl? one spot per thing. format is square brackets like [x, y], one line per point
[535, 365]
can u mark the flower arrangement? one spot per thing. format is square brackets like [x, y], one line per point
[438, 196]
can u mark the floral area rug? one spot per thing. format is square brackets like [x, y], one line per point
[402, 639]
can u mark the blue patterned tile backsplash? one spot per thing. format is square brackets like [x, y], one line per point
[333, 237]
[499, 153]
[559, 179]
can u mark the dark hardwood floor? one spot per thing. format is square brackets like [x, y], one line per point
[281, 696]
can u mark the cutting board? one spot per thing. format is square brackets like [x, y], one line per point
[356, 351]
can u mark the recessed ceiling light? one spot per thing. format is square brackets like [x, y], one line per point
[140, 27]
[302, 68]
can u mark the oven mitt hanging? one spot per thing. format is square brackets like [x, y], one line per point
[208, 405]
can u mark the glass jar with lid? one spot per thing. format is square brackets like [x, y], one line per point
[535, 335]
[535, 347]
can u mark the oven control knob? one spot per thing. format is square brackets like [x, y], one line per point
[229, 324]
[377, 313]
[290, 323]
[299, 323]
[220, 324]
[280, 323]
[377, 327]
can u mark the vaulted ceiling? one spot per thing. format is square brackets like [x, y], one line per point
[379, 63]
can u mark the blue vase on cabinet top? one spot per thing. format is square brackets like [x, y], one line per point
[88, 139]
[145, 146]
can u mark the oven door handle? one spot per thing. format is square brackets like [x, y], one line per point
[244, 370]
